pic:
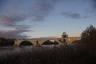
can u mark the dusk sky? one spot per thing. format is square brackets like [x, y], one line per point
[45, 18]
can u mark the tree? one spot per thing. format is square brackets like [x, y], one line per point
[89, 31]
[64, 35]
[6, 42]
[88, 40]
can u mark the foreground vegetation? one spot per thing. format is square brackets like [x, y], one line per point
[82, 52]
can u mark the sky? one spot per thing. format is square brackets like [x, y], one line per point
[45, 18]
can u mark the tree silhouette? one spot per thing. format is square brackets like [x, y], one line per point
[64, 35]
[88, 40]
[89, 31]
[6, 42]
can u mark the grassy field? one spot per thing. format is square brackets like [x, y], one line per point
[45, 55]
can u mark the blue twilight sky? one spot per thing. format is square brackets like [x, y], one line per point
[45, 18]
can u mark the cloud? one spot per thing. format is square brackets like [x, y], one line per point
[16, 11]
[10, 20]
[20, 10]
[13, 12]
[75, 15]
[41, 9]
[22, 27]
[37, 18]
[93, 4]
[71, 15]
[12, 34]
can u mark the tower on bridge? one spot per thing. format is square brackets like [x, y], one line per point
[64, 38]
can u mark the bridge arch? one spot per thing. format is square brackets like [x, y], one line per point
[25, 43]
[49, 42]
[56, 43]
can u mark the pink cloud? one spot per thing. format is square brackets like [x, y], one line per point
[13, 34]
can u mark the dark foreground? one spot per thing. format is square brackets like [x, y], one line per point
[45, 55]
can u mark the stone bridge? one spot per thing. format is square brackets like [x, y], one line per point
[40, 41]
